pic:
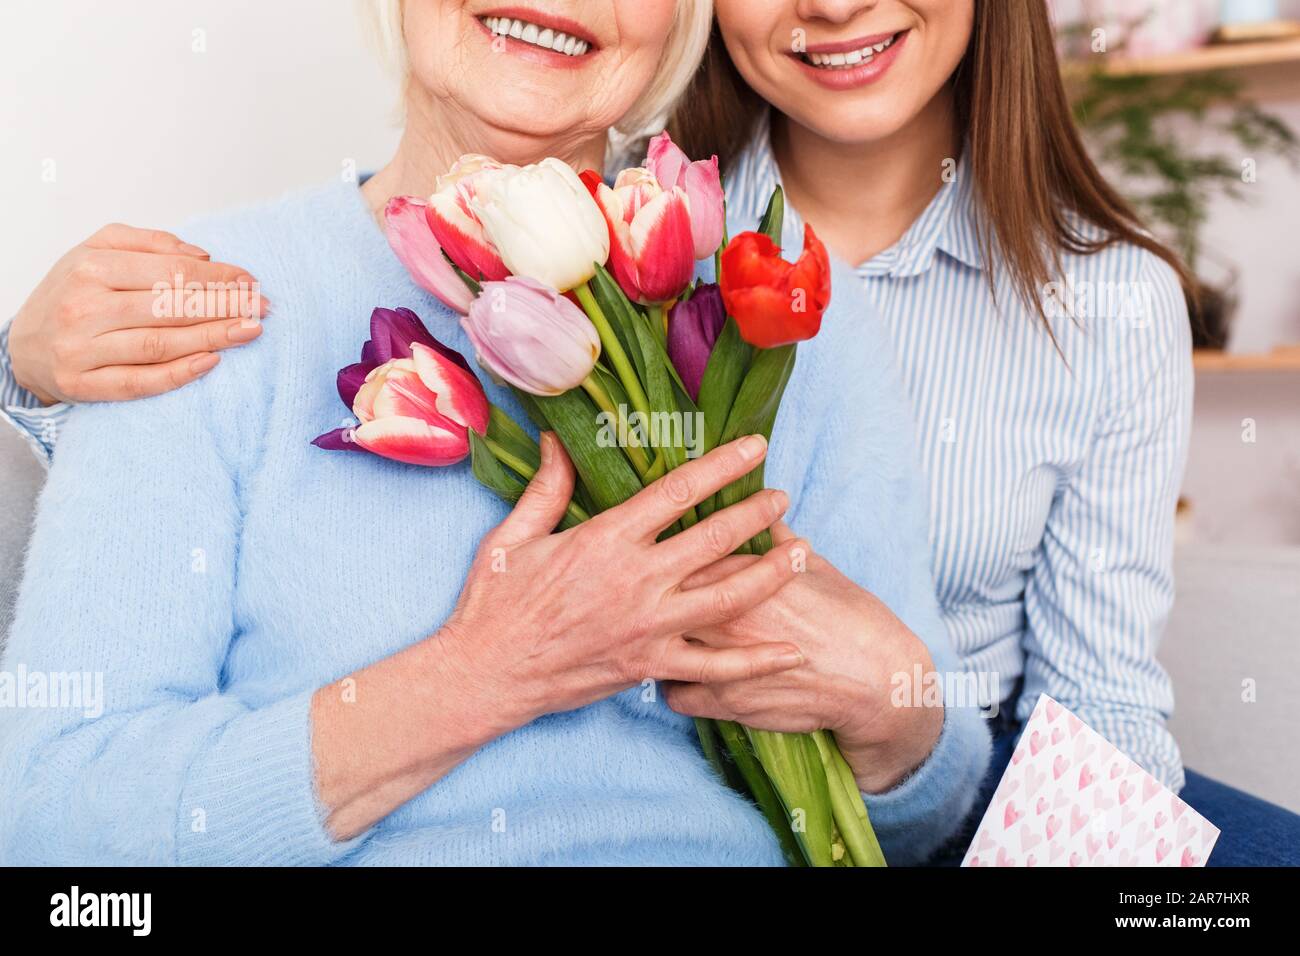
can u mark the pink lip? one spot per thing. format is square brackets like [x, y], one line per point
[844, 46]
[852, 77]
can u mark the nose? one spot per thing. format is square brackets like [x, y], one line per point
[833, 11]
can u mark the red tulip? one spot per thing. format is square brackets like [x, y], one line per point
[409, 235]
[775, 302]
[651, 251]
[703, 185]
[457, 226]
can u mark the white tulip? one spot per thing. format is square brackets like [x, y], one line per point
[543, 222]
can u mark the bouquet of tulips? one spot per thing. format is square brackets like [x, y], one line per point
[580, 296]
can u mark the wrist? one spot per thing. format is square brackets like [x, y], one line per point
[18, 368]
[881, 765]
[478, 695]
[28, 385]
[898, 733]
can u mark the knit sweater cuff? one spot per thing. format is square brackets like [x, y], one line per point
[249, 798]
[914, 819]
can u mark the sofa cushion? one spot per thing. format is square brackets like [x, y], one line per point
[21, 477]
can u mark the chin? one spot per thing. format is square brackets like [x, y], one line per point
[521, 117]
[850, 124]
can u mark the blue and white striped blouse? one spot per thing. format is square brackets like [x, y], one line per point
[1053, 482]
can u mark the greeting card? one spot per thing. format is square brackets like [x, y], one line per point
[1069, 797]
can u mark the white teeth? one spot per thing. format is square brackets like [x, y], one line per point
[544, 37]
[840, 61]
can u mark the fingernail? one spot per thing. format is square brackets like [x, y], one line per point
[791, 658]
[547, 448]
[257, 305]
[243, 331]
[780, 500]
[752, 447]
[203, 363]
[193, 250]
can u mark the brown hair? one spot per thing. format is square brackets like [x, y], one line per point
[1022, 145]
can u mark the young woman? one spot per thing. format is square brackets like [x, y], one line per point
[316, 658]
[1042, 334]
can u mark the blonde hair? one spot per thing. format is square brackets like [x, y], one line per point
[682, 54]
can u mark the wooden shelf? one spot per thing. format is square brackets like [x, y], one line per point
[1267, 69]
[1219, 56]
[1283, 358]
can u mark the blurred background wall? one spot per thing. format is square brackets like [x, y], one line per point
[153, 111]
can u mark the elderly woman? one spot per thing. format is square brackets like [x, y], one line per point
[311, 658]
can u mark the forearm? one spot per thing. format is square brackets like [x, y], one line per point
[390, 731]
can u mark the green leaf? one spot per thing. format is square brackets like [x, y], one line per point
[754, 413]
[659, 389]
[760, 393]
[620, 312]
[723, 374]
[504, 484]
[529, 403]
[612, 385]
[490, 472]
[773, 221]
[507, 433]
[604, 468]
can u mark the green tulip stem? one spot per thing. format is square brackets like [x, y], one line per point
[526, 471]
[846, 804]
[659, 322]
[614, 349]
[635, 453]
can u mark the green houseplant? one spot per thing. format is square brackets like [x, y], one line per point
[1146, 131]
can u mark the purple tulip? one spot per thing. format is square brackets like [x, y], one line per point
[693, 328]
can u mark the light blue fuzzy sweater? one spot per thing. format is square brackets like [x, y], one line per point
[197, 551]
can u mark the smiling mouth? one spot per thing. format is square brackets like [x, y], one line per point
[534, 34]
[850, 58]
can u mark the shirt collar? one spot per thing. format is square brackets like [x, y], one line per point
[948, 224]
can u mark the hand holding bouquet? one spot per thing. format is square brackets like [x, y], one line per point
[580, 296]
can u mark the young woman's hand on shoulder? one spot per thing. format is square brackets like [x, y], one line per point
[103, 325]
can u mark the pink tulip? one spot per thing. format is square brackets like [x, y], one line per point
[416, 247]
[414, 397]
[457, 226]
[651, 252]
[531, 336]
[703, 185]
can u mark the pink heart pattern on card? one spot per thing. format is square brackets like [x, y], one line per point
[1097, 807]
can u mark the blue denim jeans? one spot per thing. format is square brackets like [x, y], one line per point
[1254, 832]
